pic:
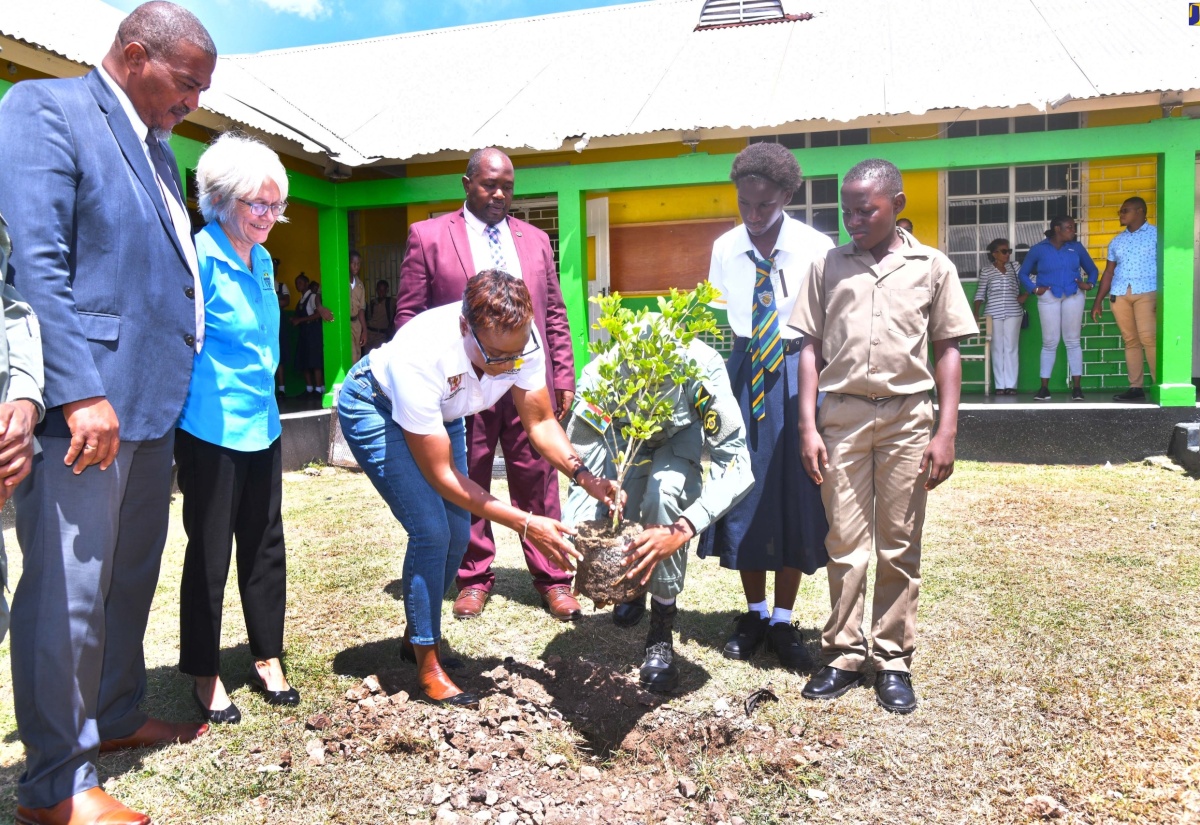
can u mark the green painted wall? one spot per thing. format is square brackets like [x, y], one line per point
[1171, 141]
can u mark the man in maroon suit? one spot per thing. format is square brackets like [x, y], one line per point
[441, 254]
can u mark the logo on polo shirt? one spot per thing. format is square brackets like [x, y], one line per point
[455, 382]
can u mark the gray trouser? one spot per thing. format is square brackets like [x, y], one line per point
[658, 492]
[91, 546]
[3, 591]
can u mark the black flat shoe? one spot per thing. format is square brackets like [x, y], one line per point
[893, 691]
[784, 639]
[225, 716]
[747, 637]
[273, 697]
[831, 682]
[630, 613]
[458, 700]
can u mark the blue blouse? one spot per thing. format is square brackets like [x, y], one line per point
[231, 400]
[1058, 268]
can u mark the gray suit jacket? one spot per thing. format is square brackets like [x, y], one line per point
[95, 255]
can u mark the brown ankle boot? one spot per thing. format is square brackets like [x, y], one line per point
[436, 687]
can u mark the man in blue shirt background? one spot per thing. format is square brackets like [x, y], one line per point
[1130, 281]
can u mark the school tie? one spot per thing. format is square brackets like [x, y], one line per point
[493, 235]
[766, 347]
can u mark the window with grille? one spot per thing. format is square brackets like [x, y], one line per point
[1013, 202]
[816, 204]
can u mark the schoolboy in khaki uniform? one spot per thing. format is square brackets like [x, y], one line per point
[868, 312]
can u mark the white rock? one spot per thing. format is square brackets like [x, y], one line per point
[445, 816]
[817, 796]
[507, 818]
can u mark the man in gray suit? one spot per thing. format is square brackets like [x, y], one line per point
[103, 253]
[20, 395]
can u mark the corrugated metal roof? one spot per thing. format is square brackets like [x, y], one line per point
[642, 68]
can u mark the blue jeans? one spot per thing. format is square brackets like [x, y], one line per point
[438, 531]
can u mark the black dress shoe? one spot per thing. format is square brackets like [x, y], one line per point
[225, 716]
[630, 613]
[893, 691]
[273, 697]
[458, 700]
[784, 639]
[747, 636]
[831, 682]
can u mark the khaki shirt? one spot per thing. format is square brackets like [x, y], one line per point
[705, 413]
[875, 321]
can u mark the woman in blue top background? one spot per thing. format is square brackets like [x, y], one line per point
[1064, 272]
[227, 446]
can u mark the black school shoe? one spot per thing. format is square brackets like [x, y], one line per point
[784, 639]
[630, 613]
[1133, 394]
[747, 636]
[893, 691]
[1076, 394]
[831, 682]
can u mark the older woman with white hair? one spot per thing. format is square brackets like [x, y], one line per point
[227, 447]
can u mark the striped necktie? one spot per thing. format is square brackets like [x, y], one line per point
[766, 347]
[493, 236]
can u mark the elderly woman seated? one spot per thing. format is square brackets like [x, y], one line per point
[227, 447]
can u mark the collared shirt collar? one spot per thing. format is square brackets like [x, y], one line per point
[477, 226]
[135, 120]
[225, 250]
[789, 239]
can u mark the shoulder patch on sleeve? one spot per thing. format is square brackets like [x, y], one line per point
[710, 417]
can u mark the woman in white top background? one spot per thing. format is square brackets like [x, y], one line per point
[999, 295]
[401, 410]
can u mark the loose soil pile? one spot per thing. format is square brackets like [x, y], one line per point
[601, 571]
[559, 742]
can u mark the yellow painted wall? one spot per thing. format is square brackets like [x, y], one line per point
[921, 187]
[295, 245]
[1110, 182]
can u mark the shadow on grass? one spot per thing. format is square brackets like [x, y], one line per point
[593, 687]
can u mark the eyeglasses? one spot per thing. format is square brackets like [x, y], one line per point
[258, 208]
[515, 359]
[1003, 251]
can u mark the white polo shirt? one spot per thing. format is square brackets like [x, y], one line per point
[732, 272]
[430, 380]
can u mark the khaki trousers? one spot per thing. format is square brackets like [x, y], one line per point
[1136, 318]
[875, 500]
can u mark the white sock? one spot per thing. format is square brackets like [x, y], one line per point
[760, 608]
[308, 387]
[661, 600]
[321, 389]
[281, 388]
[779, 615]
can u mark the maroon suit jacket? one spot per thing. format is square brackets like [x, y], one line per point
[437, 263]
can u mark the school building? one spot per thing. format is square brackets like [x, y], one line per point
[623, 122]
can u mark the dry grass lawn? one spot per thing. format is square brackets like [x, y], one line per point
[1057, 656]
